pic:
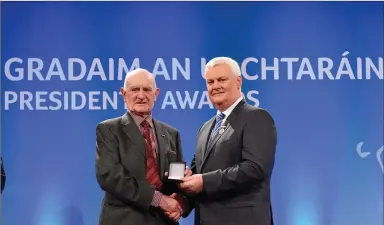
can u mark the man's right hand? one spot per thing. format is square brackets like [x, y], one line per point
[171, 207]
[188, 172]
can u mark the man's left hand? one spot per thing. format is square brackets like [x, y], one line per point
[175, 216]
[192, 184]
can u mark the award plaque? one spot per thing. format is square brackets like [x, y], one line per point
[176, 171]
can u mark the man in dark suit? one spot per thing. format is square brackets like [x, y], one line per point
[234, 156]
[132, 158]
[3, 177]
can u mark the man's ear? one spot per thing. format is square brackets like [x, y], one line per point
[157, 92]
[239, 82]
[122, 91]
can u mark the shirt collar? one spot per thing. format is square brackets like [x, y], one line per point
[228, 111]
[139, 119]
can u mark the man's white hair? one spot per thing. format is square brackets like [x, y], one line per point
[136, 72]
[227, 61]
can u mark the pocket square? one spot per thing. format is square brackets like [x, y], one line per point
[170, 152]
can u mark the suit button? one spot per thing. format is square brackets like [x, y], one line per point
[201, 222]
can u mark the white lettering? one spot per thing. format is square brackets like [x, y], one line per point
[93, 99]
[203, 63]
[204, 100]
[290, 62]
[184, 70]
[71, 69]
[19, 71]
[187, 99]
[169, 100]
[359, 68]
[10, 98]
[59, 70]
[251, 96]
[40, 100]
[274, 68]
[76, 100]
[35, 70]
[306, 69]
[345, 63]
[160, 69]
[244, 68]
[53, 98]
[123, 69]
[324, 67]
[25, 100]
[96, 70]
[370, 65]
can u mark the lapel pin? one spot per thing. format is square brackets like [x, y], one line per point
[163, 135]
[221, 131]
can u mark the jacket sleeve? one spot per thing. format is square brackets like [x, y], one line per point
[113, 178]
[188, 203]
[190, 199]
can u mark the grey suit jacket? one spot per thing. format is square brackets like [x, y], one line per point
[121, 171]
[236, 167]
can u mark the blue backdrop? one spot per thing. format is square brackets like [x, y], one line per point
[328, 165]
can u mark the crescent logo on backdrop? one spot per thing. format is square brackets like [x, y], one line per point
[364, 154]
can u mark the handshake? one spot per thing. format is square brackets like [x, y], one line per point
[175, 205]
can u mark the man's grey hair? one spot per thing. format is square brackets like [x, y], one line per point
[137, 72]
[227, 61]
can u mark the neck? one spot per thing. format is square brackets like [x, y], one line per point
[141, 114]
[228, 104]
[222, 108]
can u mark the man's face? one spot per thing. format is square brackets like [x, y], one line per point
[140, 94]
[222, 85]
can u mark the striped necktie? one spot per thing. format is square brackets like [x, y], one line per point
[152, 174]
[219, 120]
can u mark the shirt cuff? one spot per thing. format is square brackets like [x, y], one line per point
[156, 199]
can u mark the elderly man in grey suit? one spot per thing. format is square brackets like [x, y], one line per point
[234, 156]
[132, 159]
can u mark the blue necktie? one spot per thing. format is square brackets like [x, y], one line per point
[219, 119]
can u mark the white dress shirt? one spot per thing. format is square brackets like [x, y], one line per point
[228, 111]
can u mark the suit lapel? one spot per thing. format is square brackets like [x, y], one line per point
[205, 135]
[213, 142]
[132, 131]
[161, 147]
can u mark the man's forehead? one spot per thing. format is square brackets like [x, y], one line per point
[140, 79]
[217, 75]
[139, 85]
[219, 70]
